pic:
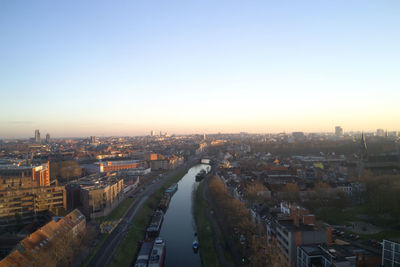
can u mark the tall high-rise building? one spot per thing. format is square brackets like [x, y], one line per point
[338, 131]
[37, 136]
[153, 133]
[93, 139]
[380, 132]
[48, 138]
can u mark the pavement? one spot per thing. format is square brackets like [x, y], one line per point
[104, 255]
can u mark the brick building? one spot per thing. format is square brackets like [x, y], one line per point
[73, 224]
[110, 166]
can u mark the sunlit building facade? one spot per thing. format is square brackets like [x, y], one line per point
[26, 190]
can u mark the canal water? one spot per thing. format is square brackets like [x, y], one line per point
[178, 228]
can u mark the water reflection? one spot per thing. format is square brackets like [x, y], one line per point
[178, 228]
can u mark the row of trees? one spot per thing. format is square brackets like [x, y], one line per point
[257, 192]
[346, 147]
[382, 194]
[239, 223]
[321, 196]
[65, 170]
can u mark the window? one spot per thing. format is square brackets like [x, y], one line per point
[397, 257]
[387, 254]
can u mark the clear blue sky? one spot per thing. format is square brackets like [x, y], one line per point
[79, 68]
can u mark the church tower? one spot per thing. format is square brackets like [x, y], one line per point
[363, 148]
[363, 156]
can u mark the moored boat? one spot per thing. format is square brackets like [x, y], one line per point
[172, 189]
[164, 202]
[144, 254]
[155, 225]
[200, 176]
[157, 255]
[195, 245]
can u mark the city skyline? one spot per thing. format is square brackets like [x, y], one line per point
[96, 68]
[377, 132]
[131, 130]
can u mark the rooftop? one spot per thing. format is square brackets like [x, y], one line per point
[121, 162]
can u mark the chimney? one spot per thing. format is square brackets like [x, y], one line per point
[296, 220]
[329, 239]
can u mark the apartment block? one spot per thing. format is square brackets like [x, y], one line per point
[17, 176]
[336, 255]
[99, 197]
[391, 253]
[167, 163]
[110, 166]
[294, 227]
[26, 191]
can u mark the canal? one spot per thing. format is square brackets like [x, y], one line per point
[178, 228]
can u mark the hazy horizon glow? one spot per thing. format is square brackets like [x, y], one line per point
[101, 68]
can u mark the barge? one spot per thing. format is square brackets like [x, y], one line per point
[157, 255]
[164, 202]
[172, 189]
[155, 225]
[144, 254]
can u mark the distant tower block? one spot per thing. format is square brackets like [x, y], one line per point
[204, 137]
[338, 131]
[380, 132]
[48, 138]
[37, 136]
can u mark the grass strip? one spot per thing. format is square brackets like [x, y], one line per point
[120, 211]
[126, 252]
[205, 232]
